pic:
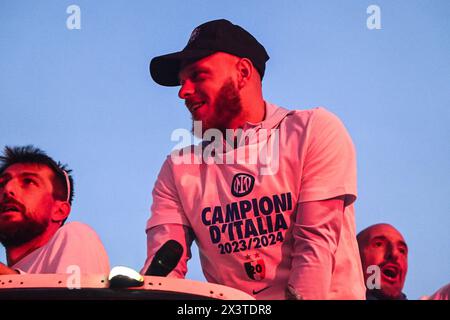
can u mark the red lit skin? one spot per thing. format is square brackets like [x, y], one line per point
[202, 80]
[30, 185]
[384, 246]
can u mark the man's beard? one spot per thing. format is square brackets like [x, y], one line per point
[227, 107]
[14, 235]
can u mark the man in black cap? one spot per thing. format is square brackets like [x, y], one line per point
[276, 224]
[221, 45]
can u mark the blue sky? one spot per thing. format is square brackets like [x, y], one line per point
[86, 97]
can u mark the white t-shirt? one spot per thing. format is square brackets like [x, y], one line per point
[74, 244]
[242, 212]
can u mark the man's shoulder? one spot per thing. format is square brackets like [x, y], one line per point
[315, 112]
[274, 109]
[190, 154]
[317, 122]
[307, 116]
[77, 229]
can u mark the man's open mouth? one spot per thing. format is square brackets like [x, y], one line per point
[9, 208]
[195, 106]
[391, 272]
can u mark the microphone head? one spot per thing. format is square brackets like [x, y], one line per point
[165, 259]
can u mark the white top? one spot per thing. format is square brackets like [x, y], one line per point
[242, 213]
[74, 244]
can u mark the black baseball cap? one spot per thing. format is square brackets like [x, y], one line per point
[208, 38]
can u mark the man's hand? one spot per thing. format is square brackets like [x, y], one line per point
[4, 269]
[291, 294]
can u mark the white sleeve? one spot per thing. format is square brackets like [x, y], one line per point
[329, 168]
[159, 235]
[316, 235]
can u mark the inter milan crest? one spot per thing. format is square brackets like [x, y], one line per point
[255, 268]
[242, 184]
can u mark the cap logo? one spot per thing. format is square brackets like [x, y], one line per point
[194, 35]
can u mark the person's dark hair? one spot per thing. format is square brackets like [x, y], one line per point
[32, 155]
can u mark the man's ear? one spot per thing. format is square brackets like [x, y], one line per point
[245, 72]
[61, 211]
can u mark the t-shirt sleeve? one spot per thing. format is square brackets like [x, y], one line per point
[166, 207]
[329, 168]
[159, 235]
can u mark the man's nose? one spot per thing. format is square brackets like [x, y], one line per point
[186, 90]
[8, 188]
[392, 253]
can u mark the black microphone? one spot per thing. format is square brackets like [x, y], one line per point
[165, 259]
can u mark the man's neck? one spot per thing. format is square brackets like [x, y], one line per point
[255, 110]
[15, 254]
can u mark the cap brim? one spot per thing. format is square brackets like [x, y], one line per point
[165, 69]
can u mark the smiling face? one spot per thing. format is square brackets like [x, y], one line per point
[384, 246]
[210, 93]
[26, 202]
